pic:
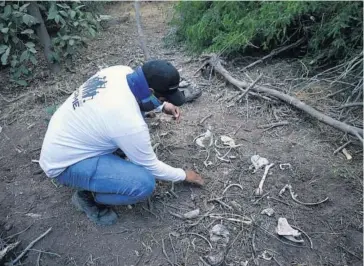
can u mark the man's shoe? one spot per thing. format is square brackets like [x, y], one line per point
[99, 214]
[191, 93]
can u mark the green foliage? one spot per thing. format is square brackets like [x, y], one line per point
[76, 25]
[333, 29]
[17, 41]
[70, 24]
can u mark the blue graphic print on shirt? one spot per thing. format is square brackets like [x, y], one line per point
[88, 90]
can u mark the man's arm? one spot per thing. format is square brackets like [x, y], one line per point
[137, 147]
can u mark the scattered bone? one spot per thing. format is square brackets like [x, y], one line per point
[232, 185]
[284, 166]
[205, 140]
[227, 141]
[192, 214]
[294, 196]
[244, 263]
[284, 229]
[266, 255]
[268, 211]
[293, 239]
[219, 233]
[258, 162]
[347, 154]
[259, 190]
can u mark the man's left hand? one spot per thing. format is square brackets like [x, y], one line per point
[170, 109]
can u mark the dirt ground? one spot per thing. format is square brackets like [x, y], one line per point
[143, 236]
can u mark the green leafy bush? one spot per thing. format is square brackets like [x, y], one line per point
[75, 25]
[333, 29]
[69, 24]
[17, 41]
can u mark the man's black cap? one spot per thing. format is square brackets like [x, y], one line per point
[164, 79]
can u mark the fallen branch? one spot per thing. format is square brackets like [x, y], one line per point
[215, 62]
[249, 88]
[31, 244]
[273, 53]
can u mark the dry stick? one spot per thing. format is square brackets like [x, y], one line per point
[342, 147]
[272, 125]
[204, 238]
[38, 259]
[15, 99]
[249, 88]
[273, 53]
[140, 30]
[350, 105]
[8, 248]
[203, 119]
[31, 244]
[165, 253]
[288, 99]
[11, 236]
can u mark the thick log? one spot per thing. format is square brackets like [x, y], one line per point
[358, 132]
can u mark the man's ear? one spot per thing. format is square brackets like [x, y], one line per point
[151, 90]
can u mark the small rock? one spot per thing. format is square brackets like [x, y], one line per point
[216, 258]
[8, 226]
[268, 211]
[192, 214]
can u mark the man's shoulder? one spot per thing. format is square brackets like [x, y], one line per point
[120, 69]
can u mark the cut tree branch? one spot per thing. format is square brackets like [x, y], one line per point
[273, 53]
[215, 62]
[140, 30]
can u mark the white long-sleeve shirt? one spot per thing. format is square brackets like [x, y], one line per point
[99, 117]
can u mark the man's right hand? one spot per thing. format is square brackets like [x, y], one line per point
[193, 177]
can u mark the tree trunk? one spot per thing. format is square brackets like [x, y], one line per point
[140, 30]
[43, 36]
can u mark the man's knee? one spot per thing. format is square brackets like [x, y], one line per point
[147, 184]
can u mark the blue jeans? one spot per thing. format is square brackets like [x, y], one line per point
[113, 180]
